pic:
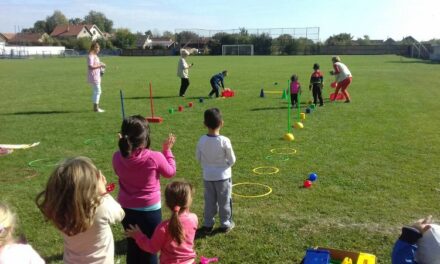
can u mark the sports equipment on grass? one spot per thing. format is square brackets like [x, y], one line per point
[313, 177]
[153, 119]
[307, 184]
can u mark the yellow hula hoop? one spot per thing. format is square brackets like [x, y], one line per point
[252, 196]
[286, 152]
[275, 170]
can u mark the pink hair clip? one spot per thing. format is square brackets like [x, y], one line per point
[176, 208]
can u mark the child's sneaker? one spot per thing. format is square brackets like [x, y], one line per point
[227, 229]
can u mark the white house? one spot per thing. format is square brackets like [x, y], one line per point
[146, 42]
[435, 55]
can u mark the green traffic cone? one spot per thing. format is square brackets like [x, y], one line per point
[284, 96]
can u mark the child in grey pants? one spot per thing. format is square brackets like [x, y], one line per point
[216, 156]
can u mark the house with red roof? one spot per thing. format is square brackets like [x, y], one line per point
[77, 31]
[28, 39]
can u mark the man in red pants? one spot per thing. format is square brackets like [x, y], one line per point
[343, 78]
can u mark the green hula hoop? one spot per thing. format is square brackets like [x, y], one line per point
[280, 158]
[286, 152]
[35, 163]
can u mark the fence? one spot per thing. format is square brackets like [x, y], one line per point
[26, 51]
[148, 52]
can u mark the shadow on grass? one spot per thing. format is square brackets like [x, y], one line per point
[44, 112]
[200, 234]
[413, 61]
[147, 97]
[54, 259]
[121, 247]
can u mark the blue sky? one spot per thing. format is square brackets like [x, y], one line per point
[377, 18]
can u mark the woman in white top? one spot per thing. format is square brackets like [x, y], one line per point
[182, 71]
[343, 77]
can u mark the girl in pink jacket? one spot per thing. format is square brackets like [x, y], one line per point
[174, 238]
[139, 170]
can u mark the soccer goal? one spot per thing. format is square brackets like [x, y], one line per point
[239, 50]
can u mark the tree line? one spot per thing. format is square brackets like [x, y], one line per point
[264, 44]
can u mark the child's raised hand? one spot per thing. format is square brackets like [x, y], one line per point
[132, 231]
[423, 224]
[169, 142]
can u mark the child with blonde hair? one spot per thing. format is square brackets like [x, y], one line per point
[174, 238]
[139, 170]
[10, 250]
[76, 201]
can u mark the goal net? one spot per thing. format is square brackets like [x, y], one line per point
[238, 50]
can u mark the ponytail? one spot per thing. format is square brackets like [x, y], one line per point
[178, 197]
[125, 146]
[175, 227]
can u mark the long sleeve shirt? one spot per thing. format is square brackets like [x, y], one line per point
[182, 68]
[139, 176]
[216, 157]
[96, 244]
[170, 251]
[218, 79]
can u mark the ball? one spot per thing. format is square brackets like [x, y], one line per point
[275, 83]
[171, 110]
[307, 184]
[288, 137]
[200, 100]
[180, 108]
[308, 110]
[333, 84]
[313, 177]
[190, 104]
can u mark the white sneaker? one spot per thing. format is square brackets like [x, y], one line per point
[99, 110]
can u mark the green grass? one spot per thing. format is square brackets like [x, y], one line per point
[377, 158]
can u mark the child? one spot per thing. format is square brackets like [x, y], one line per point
[77, 203]
[139, 170]
[343, 77]
[182, 72]
[215, 154]
[174, 238]
[317, 83]
[11, 251]
[419, 243]
[295, 88]
[217, 81]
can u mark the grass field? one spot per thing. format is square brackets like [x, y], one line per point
[377, 158]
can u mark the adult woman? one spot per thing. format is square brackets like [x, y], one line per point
[182, 71]
[343, 77]
[95, 69]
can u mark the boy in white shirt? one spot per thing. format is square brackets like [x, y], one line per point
[216, 156]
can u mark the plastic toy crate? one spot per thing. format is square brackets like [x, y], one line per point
[356, 257]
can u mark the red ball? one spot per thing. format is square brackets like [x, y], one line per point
[307, 184]
[180, 108]
[333, 84]
[190, 104]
